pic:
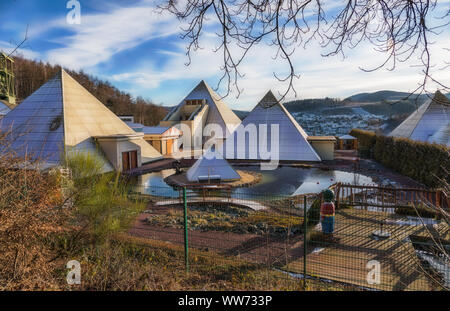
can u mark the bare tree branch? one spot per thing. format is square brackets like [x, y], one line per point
[399, 29]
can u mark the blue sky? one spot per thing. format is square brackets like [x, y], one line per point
[127, 43]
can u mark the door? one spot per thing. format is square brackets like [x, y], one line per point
[133, 159]
[129, 160]
[169, 146]
[125, 161]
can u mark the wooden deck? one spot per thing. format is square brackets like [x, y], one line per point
[254, 205]
[346, 261]
[159, 165]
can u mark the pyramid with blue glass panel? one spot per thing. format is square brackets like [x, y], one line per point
[60, 116]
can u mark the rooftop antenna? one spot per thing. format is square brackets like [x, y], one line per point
[21, 43]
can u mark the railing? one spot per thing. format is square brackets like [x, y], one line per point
[206, 190]
[171, 112]
[384, 197]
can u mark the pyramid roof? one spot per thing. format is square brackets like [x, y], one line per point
[63, 115]
[292, 144]
[212, 163]
[429, 123]
[218, 112]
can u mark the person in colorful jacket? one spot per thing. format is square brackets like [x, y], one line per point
[327, 211]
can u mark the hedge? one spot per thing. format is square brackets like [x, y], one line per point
[366, 139]
[424, 162]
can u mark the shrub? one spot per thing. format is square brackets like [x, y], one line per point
[421, 161]
[366, 139]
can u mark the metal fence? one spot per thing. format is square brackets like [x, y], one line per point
[375, 246]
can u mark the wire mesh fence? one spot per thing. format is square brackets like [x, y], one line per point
[372, 247]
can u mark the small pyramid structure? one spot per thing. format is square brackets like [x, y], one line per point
[292, 143]
[429, 123]
[210, 164]
[218, 112]
[60, 116]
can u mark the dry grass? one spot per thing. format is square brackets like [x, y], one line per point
[30, 214]
[131, 263]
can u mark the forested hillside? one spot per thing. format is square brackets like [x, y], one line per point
[30, 75]
[312, 104]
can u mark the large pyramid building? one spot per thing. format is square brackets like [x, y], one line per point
[198, 109]
[61, 117]
[292, 143]
[429, 123]
[212, 165]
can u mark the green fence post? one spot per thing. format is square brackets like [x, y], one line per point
[305, 230]
[186, 247]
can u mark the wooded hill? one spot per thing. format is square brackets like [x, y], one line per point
[30, 75]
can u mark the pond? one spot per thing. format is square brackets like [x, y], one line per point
[284, 181]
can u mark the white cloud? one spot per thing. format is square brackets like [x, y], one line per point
[100, 36]
[320, 76]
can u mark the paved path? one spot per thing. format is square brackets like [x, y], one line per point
[254, 205]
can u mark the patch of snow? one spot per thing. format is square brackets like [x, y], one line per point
[438, 264]
[318, 250]
[412, 221]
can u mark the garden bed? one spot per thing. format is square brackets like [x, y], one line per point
[228, 218]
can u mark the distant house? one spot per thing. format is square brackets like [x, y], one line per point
[202, 106]
[429, 123]
[62, 117]
[347, 142]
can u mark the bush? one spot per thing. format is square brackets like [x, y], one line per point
[421, 161]
[101, 199]
[366, 139]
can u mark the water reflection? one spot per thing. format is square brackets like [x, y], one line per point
[284, 181]
[288, 180]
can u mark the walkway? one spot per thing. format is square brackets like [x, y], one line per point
[152, 167]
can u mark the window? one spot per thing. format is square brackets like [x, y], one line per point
[195, 101]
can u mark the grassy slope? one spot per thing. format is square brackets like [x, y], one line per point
[132, 263]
